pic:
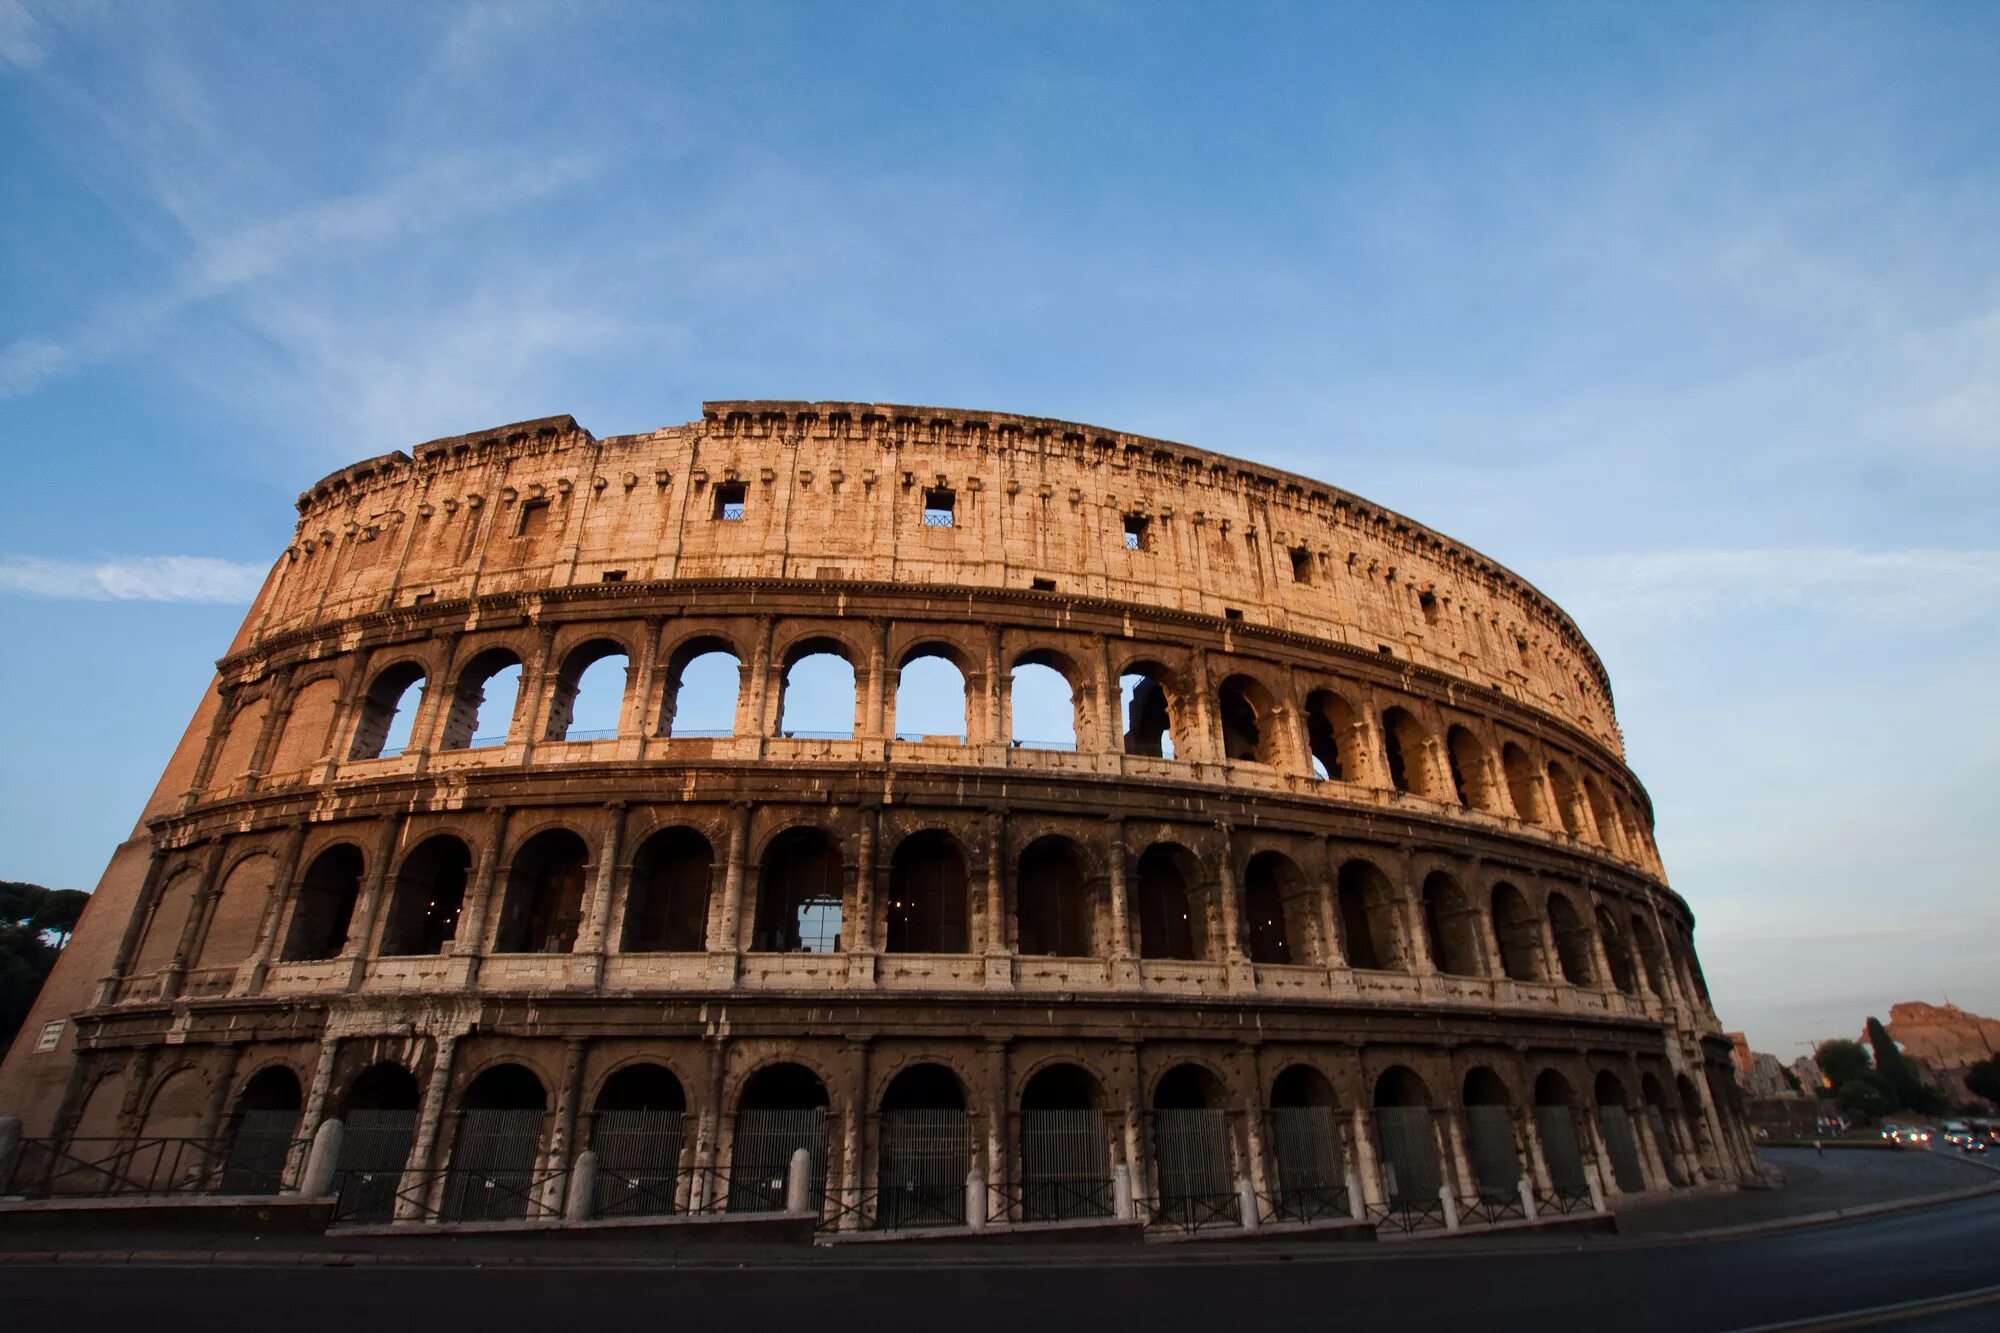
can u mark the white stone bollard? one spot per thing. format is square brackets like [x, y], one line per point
[1121, 1193]
[1596, 1192]
[1246, 1202]
[10, 1148]
[1527, 1198]
[798, 1184]
[1450, 1202]
[975, 1199]
[1357, 1207]
[323, 1159]
[582, 1201]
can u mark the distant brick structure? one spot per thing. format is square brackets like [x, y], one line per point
[1946, 1040]
[1361, 859]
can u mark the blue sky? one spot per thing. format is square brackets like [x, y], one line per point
[1691, 314]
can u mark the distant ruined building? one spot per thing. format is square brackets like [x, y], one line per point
[1332, 875]
[1945, 1039]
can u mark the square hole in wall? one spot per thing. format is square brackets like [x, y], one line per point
[1042, 585]
[1429, 602]
[1231, 613]
[940, 507]
[729, 500]
[534, 519]
[1302, 565]
[613, 576]
[1136, 526]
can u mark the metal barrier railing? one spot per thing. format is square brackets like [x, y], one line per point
[1408, 1215]
[113, 1167]
[1313, 1203]
[449, 1194]
[1492, 1207]
[1564, 1200]
[1189, 1213]
[1051, 1200]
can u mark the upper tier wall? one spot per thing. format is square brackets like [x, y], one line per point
[835, 491]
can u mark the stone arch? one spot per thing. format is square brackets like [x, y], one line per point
[542, 907]
[929, 904]
[817, 693]
[1406, 747]
[238, 749]
[1171, 906]
[1518, 932]
[1412, 1170]
[308, 728]
[103, 1108]
[391, 699]
[501, 1116]
[325, 907]
[263, 1125]
[1193, 1157]
[942, 672]
[1617, 953]
[1602, 815]
[666, 899]
[1562, 786]
[1368, 907]
[382, 1086]
[1149, 701]
[470, 722]
[1335, 736]
[1652, 963]
[428, 895]
[1471, 782]
[1452, 923]
[1305, 1147]
[1281, 911]
[1556, 1129]
[1572, 941]
[701, 669]
[231, 932]
[1614, 1126]
[800, 893]
[1489, 1126]
[594, 675]
[1053, 909]
[167, 921]
[923, 1151]
[176, 1106]
[1522, 789]
[1247, 714]
[1045, 709]
[781, 1107]
[1065, 1143]
[1662, 1118]
[638, 1129]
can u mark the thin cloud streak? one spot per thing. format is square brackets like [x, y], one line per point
[152, 578]
[1890, 586]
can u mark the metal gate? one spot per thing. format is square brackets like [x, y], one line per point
[1496, 1165]
[761, 1154]
[1065, 1171]
[1410, 1168]
[492, 1172]
[373, 1151]
[1556, 1127]
[1305, 1146]
[638, 1162]
[1191, 1150]
[1656, 1120]
[259, 1152]
[921, 1169]
[1615, 1124]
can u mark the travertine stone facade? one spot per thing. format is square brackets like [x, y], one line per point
[1375, 824]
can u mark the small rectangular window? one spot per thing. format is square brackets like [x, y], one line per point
[729, 498]
[1135, 532]
[939, 507]
[614, 576]
[423, 599]
[1302, 565]
[534, 518]
[51, 1035]
[1429, 602]
[1042, 585]
[1231, 613]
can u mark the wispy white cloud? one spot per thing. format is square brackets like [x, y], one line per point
[1936, 586]
[146, 578]
[23, 44]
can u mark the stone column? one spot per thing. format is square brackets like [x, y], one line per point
[853, 1171]
[196, 924]
[250, 979]
[999, 966]
[322, 1083]
[861, 957]
[1538, 1162]
[1451, 1135]
[999, 1105]
[1124, 969]
[135, 928]
[726, 934]
[996, 681]
[368, 906]
[562, 1130]
[591, 937]
[875, 721]
[642, 683]
[1600, 956]
[531, 710]
[1110, 737]
[468, 944]
[1417, 928]
[1366, 1164]
[423, 1144]
[753, 704]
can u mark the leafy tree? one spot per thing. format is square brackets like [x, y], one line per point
[1905, 1088]
[1841, 1061]
[1984, 1078]
[59, 914]
[1864, 1095]
[29, 914]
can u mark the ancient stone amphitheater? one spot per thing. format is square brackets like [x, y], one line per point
[1332, 895]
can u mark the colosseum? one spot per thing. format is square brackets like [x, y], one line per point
[1327, 893]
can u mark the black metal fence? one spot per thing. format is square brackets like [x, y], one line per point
[260, 1162]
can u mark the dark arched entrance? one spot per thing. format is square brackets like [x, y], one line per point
[637, 1130]
[782, 1109]
[1489, 1138]
[1305, 1146]
[1412, 1174]
[492, 1176]
[262, 1132]
[924, 1154]
[1562, 1152]
[379, 1116]
[1614, 1122]
[1191, 1156]
[1065, 1147]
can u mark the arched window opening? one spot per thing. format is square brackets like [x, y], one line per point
[1602, 815]
[164, 926]
[1614, 1124]
[387, 712]
[782, 1109]
[1052, 912]
[325, 905]
[1453, 928]
[261, 1131]
[1659, 1114]
[1367, 904]
[1518, 932]
[703, 680]
[1468, 769]
[1563, 786]
[544, 902]
[1249, 720]
[1489, 1137]
[1555, 1126]
[1407, 1130]
[379, 1113]
[1572, 941]
[818, 697]
[638, 1130]
[1406, 746]
[1147, 710]
[230, 933]
[1043, 704]
[666, 909]
[1651, 961]
[925, 1150]
[799, 895]
[926, 911]
[1305, 1146]
[930, 699]
[492, 1173]
[1617, 953]
[589, 692]
[1171, 924]
[1279, 911]
[1331, 728]
[482, 706]
[1521, 786]
[1191, 1148]
[429, 893]
[1065, 1147]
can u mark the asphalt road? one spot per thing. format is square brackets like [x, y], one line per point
[1629, 1286]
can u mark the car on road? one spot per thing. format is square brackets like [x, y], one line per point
[1970, 1144]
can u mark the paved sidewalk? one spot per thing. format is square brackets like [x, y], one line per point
[1840, 1179]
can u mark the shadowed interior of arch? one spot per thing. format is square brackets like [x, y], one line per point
[388, 712]
[1147, 711]
[589, 692]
